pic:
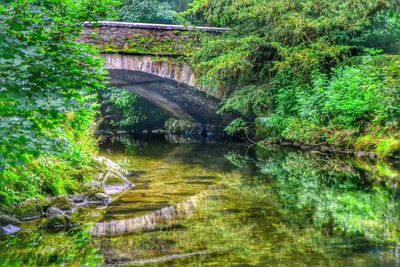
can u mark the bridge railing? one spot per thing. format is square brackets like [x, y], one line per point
[149, 26]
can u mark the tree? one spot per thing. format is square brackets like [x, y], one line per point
[151, 11]
[276, 65]
[48, 81]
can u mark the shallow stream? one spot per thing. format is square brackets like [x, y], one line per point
[199, 203]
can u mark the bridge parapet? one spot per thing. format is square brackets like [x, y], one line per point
[143, 38]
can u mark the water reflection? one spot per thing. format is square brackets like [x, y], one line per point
[149, 221]
[262, 207]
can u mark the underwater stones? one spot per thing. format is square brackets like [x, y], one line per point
[10, 229]
[29, 209]
[60, 222]
[6, 219]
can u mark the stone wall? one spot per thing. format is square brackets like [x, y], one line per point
[167, 68]
[139, 38]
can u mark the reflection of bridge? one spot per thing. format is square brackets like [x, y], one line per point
[149, 221]
[148, 59]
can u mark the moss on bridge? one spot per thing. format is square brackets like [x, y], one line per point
[167, 43]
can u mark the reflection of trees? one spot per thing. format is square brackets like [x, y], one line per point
[38, 248]
[336, 196]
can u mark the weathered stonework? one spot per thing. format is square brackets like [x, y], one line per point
[169, 69]
[139, 38]
[150, 60]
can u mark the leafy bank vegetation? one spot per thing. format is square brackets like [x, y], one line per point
[152, 11]
[48, 87]
[308, 71]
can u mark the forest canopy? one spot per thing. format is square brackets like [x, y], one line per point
[152, 11]
[306, 70]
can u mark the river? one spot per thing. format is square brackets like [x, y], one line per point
[208, 203]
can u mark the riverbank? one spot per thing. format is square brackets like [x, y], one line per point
[109, 180]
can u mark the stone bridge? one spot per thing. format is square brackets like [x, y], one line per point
[150, 60]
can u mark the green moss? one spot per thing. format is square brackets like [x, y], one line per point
[388, 147]
[30, 208]
[365, 143]
[142, 45]
[385, 170]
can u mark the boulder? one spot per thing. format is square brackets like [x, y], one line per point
[101, 196]
[29, 209]
[108, 165]
[361, 154]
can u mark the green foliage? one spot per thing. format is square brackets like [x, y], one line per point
[48, 81]
[150, 46]
[335, 197]
[295, 66]
[47, 95]
[151, 11]
[127, 110]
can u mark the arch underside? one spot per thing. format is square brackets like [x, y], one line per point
[179, 100]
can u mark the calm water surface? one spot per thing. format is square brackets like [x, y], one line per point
[228, 204]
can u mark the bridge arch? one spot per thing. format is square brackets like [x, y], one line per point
[141, 58]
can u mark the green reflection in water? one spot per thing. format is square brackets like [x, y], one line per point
[254, 207]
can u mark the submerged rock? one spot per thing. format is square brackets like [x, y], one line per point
[10, 229]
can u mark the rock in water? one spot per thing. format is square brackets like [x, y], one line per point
[10, 229]
[101, 196]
